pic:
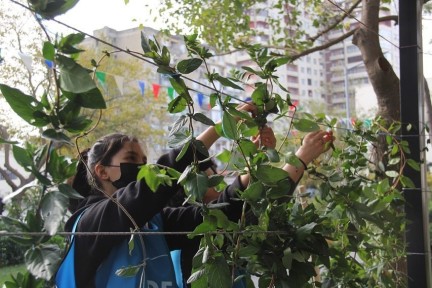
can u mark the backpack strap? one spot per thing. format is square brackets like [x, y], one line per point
[65, 277]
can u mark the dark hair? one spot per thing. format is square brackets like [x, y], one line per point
[101, 152]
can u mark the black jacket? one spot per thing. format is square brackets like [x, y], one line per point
[103, 215]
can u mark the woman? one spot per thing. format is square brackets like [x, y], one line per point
[113, 162]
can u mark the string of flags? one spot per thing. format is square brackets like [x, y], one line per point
[119, 81]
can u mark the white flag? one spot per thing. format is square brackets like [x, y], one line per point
[27, 60]
[119, 81]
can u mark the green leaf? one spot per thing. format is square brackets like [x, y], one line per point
[42, 260]
[129, 271]
[305, 230]
[183, 151]
[27, 107]
[60, 167]
[218, 273]
[203, 119]
[172, 172]
[196, 184]
[92, 99]
[48, 51]
[213, 99]
[407, 182]
[229, 126]
[306, 125]
[22, 157]
[413, 164]
[149, 173]
[247, 251]
[78, 124]
[177, 105]
[254, 192]
[189, 65]
[56, 136]
[53, 8]
[392, 173]
[196, 276]
[53, 208]
[180, 87]
[179, 139]
[67, 43]
[226, 82]
[270, 174]
[166, 57]
[145, 43]
[224, 156]
[73, 77]
[178, 124]
[201, 148]
[69, 192]
[259, 94]
[204, 227]
[185, 174]
[215, 180]
[287, 258]
[247, 147]
[131, 242]
[273, 155]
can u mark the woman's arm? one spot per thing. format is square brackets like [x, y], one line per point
[313, 145]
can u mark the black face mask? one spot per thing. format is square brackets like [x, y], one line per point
[128, 174]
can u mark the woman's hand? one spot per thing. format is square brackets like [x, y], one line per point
[314, 144]
[265, 138]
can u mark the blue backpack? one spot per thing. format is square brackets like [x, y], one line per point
[158, 270]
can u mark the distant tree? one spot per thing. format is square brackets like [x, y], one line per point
[20, 35]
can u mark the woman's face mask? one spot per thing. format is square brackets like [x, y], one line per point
[128, 174]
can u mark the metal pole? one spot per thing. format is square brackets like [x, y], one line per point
[347, 96]
[411, 93]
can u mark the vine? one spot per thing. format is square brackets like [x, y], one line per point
[348, 235]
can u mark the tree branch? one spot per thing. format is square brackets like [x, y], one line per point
[294, 56]
[338, 20]
[8, 179]
[324, 46]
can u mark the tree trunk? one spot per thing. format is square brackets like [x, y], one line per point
[381, 74]
[383, 79]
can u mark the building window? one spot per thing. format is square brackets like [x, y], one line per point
[310, 93]
[355, 59]
[292, 79]
[309, 81]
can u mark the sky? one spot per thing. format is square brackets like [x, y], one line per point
[90, 15]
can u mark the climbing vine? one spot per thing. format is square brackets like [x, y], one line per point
[348, 235]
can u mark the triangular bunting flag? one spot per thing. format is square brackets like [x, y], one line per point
[294, 105]
[27, 60]
[119, 81]
[200, 99]
[142, 87]
[171, 93]
[49, 64]
[156, 88]
[101, 76]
